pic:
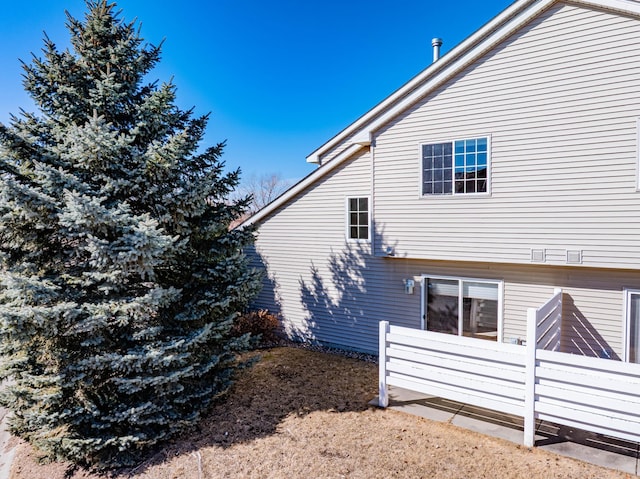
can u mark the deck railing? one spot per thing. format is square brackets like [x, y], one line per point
[535, 382]
[481, 373]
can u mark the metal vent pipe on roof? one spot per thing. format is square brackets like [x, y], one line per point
[436, 43]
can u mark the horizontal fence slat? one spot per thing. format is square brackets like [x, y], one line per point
[625, 435]
[505, 358]
[585, 377]
[509, 372]
[515, 359]
[605, 425]
[597, 412]
[589, 427]
[451, 339]
[499, 354]
[599, 364]
[613, 399]
[459, 379]
[461, 395]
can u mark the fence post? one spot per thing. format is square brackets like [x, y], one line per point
[383, 393]
[530, 378]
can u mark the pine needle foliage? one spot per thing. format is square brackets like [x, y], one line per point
[120, 276]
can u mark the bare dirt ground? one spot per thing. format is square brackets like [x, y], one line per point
[304, 414]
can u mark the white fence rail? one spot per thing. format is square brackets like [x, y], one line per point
[599, 395]
[594, 394]
[487, 375]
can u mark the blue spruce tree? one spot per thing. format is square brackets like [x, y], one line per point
[120, 277]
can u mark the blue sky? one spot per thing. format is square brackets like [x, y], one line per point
[280, 77]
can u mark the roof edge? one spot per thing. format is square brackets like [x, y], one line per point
[302, 185]
[412, 84]
[487, 36]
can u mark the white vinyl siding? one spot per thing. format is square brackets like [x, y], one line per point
[563, 119]
[338, 293]
[313, 271]
[561, 102]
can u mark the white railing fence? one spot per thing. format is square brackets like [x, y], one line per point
[536, 382]
[594, 394]
[490, 375]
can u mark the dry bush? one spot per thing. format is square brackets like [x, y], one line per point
[261, 324]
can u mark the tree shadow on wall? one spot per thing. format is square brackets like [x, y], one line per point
[337, 298]
[270, 291]
[580, 336]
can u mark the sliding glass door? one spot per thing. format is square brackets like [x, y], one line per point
[462, 306]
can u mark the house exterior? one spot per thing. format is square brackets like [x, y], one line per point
[505, 170]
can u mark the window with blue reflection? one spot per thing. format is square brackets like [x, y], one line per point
[457, 167]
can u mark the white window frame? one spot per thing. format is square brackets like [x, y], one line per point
[461, 280]
[347, 223]
[626, 340]
[453, 193]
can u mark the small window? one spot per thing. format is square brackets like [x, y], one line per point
[463, 307]
[456, 167]
[358, 219]
[632, 313]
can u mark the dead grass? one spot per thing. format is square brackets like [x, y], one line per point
[304, 414]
